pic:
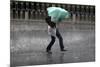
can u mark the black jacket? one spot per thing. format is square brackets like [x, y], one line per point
[49, 22]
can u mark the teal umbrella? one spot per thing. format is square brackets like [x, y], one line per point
[57, 14]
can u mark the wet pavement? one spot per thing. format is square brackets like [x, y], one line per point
[29, 41]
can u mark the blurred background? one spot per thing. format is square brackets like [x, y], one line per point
[24, 10]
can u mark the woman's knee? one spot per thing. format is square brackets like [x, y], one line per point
[60, 38]
[53, 38]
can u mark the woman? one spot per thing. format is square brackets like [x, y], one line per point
[53, 32]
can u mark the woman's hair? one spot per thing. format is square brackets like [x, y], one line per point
[49, 22]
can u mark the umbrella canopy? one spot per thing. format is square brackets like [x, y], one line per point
[57, 14]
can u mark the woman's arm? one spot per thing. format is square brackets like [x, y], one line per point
[49, 22]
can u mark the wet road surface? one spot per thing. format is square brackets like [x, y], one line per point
[29, 41]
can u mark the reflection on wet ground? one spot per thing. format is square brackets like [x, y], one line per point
[28, 43]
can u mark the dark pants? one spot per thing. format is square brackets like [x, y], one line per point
[53, 38]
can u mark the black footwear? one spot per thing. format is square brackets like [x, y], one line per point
[63, 50]
[48, 51]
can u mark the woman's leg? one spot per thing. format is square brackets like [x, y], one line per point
[51, 43]
[60, 40]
